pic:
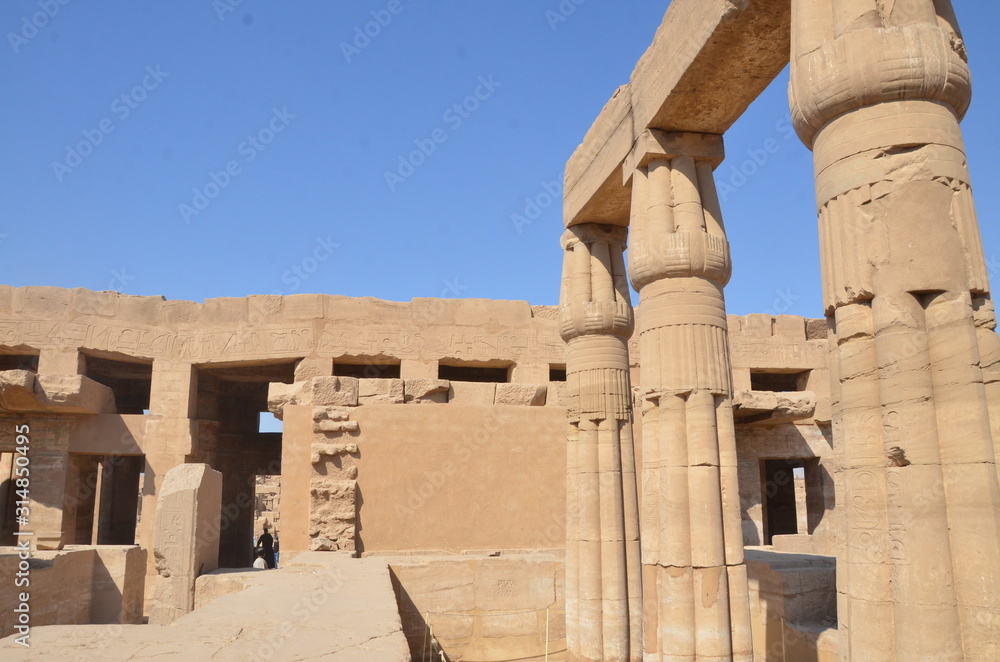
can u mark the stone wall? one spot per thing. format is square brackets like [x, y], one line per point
[79, 585]
[482, 608]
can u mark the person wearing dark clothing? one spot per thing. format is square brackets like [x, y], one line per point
[266, 544]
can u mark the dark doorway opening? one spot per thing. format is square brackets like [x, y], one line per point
[231, 399]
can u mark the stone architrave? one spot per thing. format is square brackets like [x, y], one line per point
[694, 576]
[188, 514]
[603, 574]
[877, 92]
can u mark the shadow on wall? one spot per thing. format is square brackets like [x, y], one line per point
[418, 636]
[359, 543]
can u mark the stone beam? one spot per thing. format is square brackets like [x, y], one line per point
[709, 60]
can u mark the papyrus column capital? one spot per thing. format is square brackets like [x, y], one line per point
[595, 298]
[676, 224]
[869, 65]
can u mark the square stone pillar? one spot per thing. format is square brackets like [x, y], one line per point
[186, 543]
[170, 435]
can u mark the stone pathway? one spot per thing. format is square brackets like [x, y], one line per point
[319, 606]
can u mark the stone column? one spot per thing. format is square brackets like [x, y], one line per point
[694, 578]
[603, 579]
[877, 92]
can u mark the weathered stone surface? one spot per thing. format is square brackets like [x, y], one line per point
[770, 407]
[17, 391]
[333, 512]
[510, 625]
[188, 514]
[280, 395]
[422, 391]
[380, 391]
[472, 393]
[119, 584]
[321, 451]
[505, 585]
[21, 390]
[336, 427]
[210, 587]
[335, 391]
[528, 395]
[317, 607]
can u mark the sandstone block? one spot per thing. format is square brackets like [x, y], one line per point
[510, 625]
[472, 393]
[473, 312]
[224, 311]
[332, 513]
[76, 394]
[426, 390]
[449, 627]
[186, 543]
[17, 391]
[119, 585]
[331, 414]
[532, 395]
[757, 325]
[335, 391]
[529, 373]
[781, 406]
[319, 451]
[214, 585]
[790, 327]
[380, 391]
[511, 313]
[336, 427]
[505, 585]
[418, 369]
[313, 367]
[303, 306]
[281, 395]
[441, 586]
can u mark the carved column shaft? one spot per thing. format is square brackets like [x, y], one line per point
[877, 92]
[695, 581]
[603, 581]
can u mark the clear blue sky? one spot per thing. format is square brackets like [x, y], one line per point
[199, 82]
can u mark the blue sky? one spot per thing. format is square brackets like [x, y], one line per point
[245, 151]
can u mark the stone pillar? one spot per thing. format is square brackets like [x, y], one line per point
[170, 435]
[49, 455]
[877, 92]
[694, 579]
[188, 513]
[603, 578]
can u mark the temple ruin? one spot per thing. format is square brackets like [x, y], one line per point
[479, 480]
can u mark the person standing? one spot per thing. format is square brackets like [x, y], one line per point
[266, 544]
